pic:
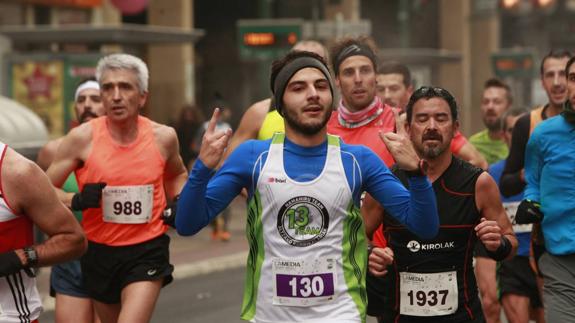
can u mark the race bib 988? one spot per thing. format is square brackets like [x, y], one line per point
[128, 204]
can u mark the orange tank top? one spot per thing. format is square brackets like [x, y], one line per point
[139, 164]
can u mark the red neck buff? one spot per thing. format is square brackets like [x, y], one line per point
[360, 118]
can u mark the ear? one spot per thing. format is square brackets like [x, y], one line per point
[409, 91]
[143, 99]
[337, 83]
[455, 126]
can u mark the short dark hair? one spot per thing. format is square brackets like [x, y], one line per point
[428, 92]
[395, 67]
[366, 47]
[513, 112]
[495, 82]
[557, 53]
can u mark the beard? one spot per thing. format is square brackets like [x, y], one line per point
[295, 122]
[86, 116]
[432, 151]
[494, 125]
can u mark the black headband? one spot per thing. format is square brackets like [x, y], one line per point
[282, 78]
[353, 50]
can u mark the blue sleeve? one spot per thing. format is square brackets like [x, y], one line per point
[204, 197]
[416, 208]
[533, 166]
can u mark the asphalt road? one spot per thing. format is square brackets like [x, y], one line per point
[214, 297]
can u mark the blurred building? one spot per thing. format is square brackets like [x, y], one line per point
[47, 46]
[456, 44]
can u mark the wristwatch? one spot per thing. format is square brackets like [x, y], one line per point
[31, 257]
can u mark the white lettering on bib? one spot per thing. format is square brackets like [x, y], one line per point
[511, 210]
[128, 204]
[430, 294]
[303, 282]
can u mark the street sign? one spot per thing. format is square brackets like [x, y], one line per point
[513, 64]
[267, 39]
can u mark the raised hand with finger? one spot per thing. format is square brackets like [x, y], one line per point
[403, 152]
[214, 142]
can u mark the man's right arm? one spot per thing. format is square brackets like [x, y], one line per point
[30, 193]
[68, 158]
[46, 154]
[512, 180]
[415, 208]
[205, 195]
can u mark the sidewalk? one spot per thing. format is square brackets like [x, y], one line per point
[191, 256]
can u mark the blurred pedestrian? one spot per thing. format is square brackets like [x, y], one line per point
[187, 126]
[495, 100]
[73, 304]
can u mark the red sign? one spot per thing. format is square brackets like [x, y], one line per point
[38, 84]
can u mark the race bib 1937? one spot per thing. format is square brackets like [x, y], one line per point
[303, 282]
[128, 204]
[431, 294]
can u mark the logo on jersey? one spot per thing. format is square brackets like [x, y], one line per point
[277, 180]
[415, 246]
[303, 221]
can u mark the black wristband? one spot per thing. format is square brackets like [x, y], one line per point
[418, 172]
[502, 252]
[10, 263]
[76, 204]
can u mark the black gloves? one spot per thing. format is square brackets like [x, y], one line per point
[528, 212]
[10, 264]
[169, 215]
[89, 197]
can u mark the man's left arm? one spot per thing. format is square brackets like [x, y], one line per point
[175, 174]
[494, 230]
[30, 193]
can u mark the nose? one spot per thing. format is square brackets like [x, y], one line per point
[312, 93]
[431, 124]
[387, 94]
[357, 76]
[116, 95]
[556, 79]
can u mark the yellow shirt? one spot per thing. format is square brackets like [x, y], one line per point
[273, 123]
